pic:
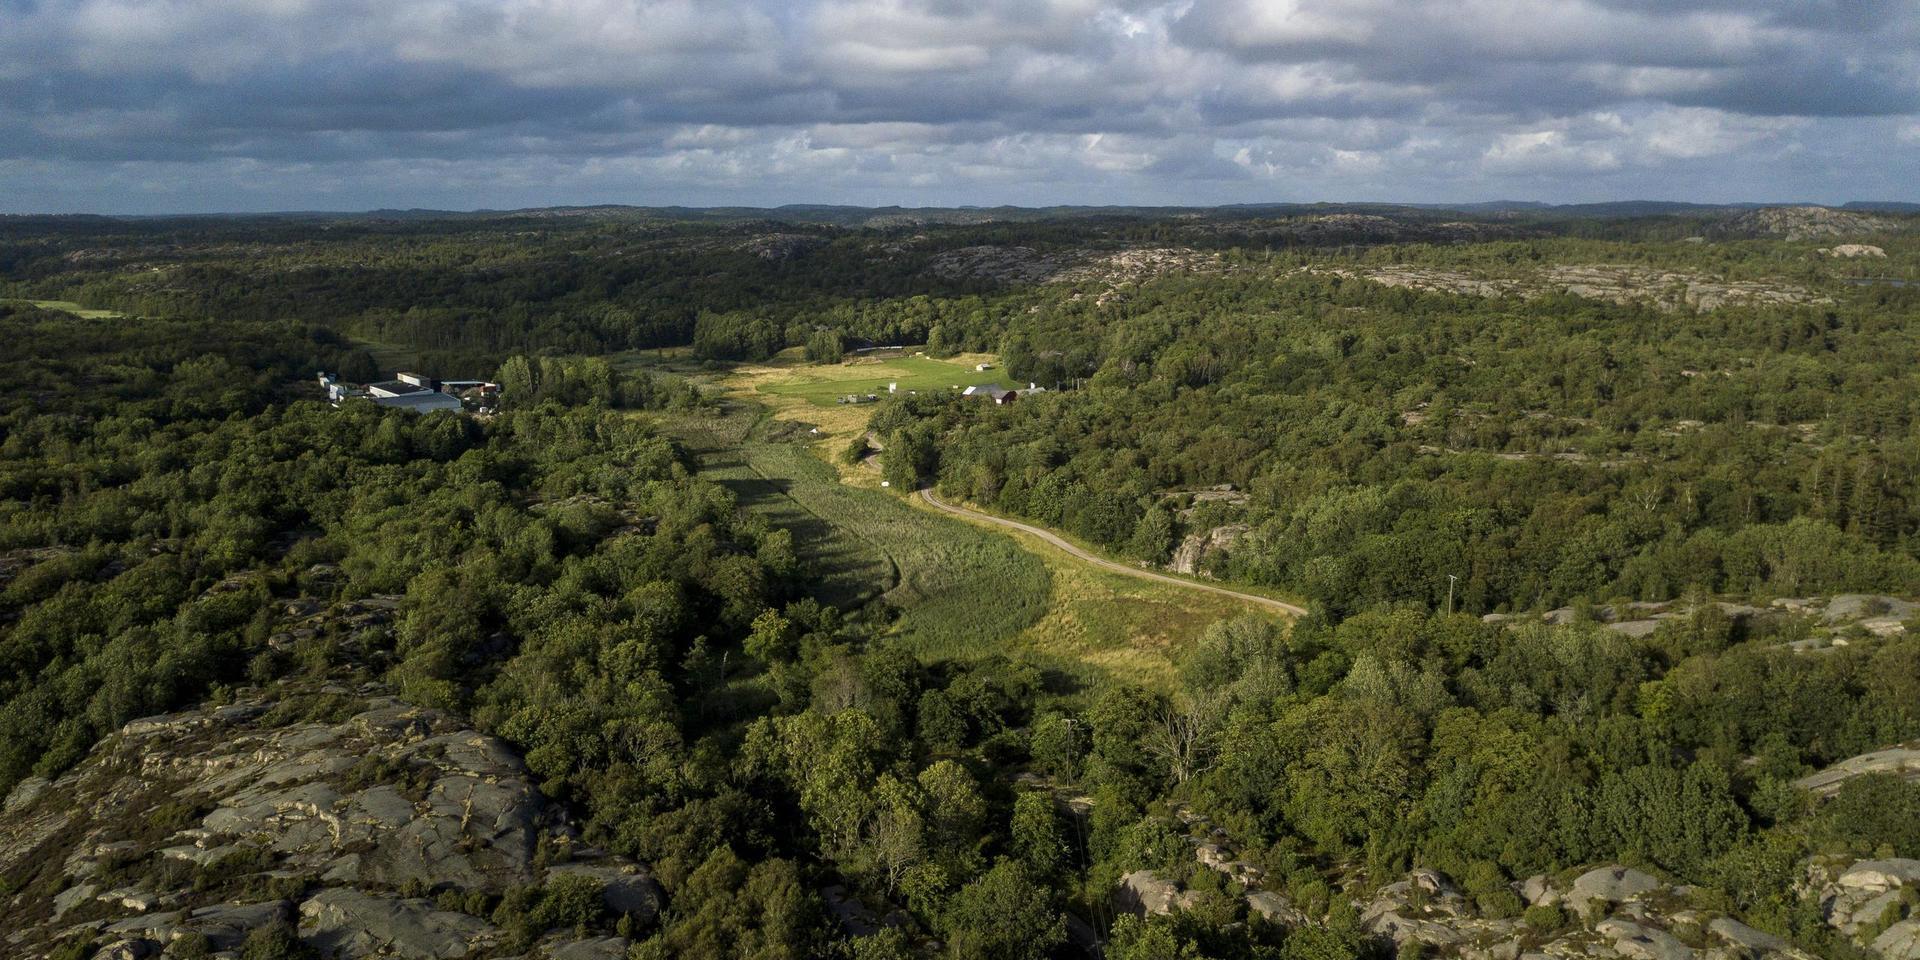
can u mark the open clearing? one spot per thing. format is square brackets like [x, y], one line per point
[68, 306]
[962, 588]
[825, 384]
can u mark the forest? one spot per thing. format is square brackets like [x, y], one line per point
[570, 578]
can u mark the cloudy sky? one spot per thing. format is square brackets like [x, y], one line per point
[127, 106]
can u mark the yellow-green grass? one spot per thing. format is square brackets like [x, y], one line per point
[68, 306]
[962, 589]
[825, 384]
[958, 591]
[1106, 554]
[1118, 625]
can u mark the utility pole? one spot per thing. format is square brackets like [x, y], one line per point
[1450, 579]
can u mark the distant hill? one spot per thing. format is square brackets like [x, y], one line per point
[1808, 223]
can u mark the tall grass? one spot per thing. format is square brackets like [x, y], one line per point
[958, 591]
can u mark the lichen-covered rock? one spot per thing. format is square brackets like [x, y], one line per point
[346, 924]
[1275, 908]
[595, 948]
[1641, 942]
[1747, 938]
[1901, 761]
[1900, 941]
[1608, 885]
[1146, 892]
[215, 821]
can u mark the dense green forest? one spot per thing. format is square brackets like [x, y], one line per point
[569, 579]
[1542, 450]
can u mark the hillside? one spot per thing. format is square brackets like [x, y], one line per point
[1321, 583]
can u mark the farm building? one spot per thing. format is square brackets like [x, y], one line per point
[998, 394]
[415, 392]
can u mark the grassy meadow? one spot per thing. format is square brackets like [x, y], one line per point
[824, 384]
[68, 306]
[955, 589]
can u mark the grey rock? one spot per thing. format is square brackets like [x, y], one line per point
[1902, 761]
[1880, 875]
[1900, 941]
[1635, 628]
[1191, 555]
[1860, 606]
[131, 898]
[129, 949]
[1146, 892]
[226, 925]
[600, 948]
[1275, 908]
[72, 897]
[1641, 942]
[25, 792]
[1741, 935]
[1537, 890]
[349, 924]
[1609, 885]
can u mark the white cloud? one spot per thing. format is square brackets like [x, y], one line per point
[966, 101]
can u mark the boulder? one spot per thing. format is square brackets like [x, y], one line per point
[25, 792]
[1608, 885]
[226, 925]
[1880, 875]
[1191, 555]
[597, 948]
[131, 949]
[1212, 855]
[1903, 761]
[1642, 942]
[1861, 606]
[1538, 890]
[349, 924]
[1275, 908]
[1635, 628]
[1900, 941]
[72, 897]
[1144, 892]
[1746, 938]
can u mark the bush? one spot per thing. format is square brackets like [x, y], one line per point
[1544, 917]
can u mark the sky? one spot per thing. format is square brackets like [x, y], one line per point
[157, 106]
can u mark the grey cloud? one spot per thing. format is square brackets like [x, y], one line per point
[345, 102]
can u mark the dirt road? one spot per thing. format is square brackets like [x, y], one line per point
[1106, 564]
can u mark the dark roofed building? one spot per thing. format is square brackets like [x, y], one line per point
[993, 391]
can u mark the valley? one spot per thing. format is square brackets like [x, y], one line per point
[1271, 583]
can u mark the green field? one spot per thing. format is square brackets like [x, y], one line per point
[958, 591]
[68, 306]
[952, 588]
[825, 384]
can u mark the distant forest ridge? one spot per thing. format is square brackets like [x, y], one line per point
[853, 215]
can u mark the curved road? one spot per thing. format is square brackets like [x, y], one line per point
[1105, 564]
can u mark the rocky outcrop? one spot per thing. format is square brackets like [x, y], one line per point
[343, 922]
[1901, 761]
[339, 809]
[1608, 886]
[1807, 223]
[1146, 893]
[1860, 901]
[1191, 555]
